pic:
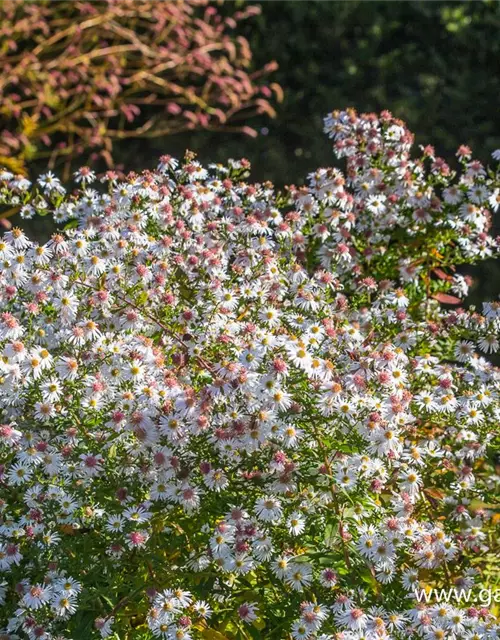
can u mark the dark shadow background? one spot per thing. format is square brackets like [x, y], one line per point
[434, 64]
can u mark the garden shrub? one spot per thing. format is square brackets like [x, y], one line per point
[235, 413]
[75, 77]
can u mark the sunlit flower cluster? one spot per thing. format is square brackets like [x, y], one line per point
[233, 413]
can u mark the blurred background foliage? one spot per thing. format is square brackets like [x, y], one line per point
[434, 64]
[75, 77]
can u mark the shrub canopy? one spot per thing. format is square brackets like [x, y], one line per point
[235, 413]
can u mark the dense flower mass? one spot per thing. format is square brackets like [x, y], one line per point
[230, 413]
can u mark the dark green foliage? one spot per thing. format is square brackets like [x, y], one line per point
[436, 65]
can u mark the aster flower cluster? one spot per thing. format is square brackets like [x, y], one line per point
[232, 413]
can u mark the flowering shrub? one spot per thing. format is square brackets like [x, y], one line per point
[76, 76]
[233, 413]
